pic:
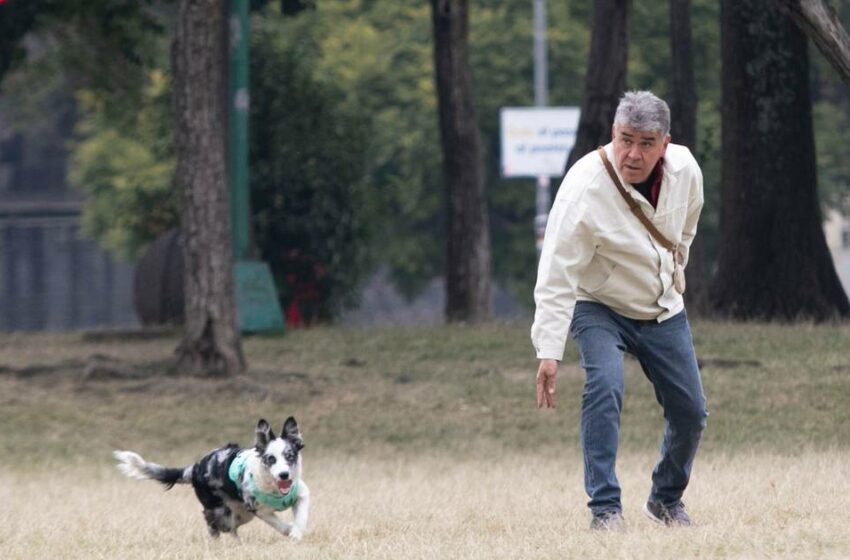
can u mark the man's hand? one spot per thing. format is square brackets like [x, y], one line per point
[546, 373]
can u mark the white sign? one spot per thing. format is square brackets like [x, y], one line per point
[537, 140]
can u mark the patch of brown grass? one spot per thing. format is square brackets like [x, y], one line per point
[744, 505]
[421, 443]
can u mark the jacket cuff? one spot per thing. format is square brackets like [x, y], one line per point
[550, 353]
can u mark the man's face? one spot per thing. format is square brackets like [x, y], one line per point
[637, 151]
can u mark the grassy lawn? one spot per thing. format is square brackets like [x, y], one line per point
[421, 443]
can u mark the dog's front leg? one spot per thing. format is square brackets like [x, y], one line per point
[276, 522]
[300, 510]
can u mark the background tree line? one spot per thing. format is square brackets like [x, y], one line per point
[345, 145]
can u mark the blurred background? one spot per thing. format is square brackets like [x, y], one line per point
[348, 203]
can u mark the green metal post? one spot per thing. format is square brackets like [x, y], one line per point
[256, 297]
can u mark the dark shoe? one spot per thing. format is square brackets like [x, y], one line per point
[671, 516]
[608, 521]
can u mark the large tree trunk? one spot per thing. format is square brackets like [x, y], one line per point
[820, 22]
[683, 128]
[773, 259]
[605, 81]
[683, 98]
[211, 342]
[468, 250]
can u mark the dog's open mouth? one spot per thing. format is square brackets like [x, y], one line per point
[284, 486]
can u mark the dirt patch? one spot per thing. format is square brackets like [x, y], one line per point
[131, 335]
[354, 363]
[41, 370]
[100, 367]
[102, 375]
[97, 367]
[279, 386]
[726, 363]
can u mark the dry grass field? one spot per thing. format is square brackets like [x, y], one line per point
[421, 443]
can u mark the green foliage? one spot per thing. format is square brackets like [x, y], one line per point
[650, 68]
[501, 56]
[363, 84]
[107, 45]
[831, 115]
[708, 155]
[705, 35]
[307, 169]
[126, 168]
[106, 51]
[382, 59]
[380, 55]
[307, 177]
[831, 123]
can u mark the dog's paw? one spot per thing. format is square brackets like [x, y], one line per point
[296, 534]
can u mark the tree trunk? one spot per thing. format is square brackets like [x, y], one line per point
[211, 342]
[820, 22]
[605, 81]
[683, 100]
[468, 247]
[683, 128]
[773, 259]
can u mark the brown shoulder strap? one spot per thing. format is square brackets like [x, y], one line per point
[634, 205]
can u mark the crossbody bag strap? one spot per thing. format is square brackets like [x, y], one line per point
[634, 205]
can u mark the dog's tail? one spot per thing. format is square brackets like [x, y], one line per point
[134, 466]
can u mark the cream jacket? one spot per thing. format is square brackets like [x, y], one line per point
[596, 250]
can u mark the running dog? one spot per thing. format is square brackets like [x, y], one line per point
[234, 484]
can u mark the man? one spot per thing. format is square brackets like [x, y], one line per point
[608, 282]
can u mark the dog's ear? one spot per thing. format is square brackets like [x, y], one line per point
[291, 433]
[264, 435]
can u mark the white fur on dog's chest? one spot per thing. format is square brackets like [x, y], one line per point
[242, 472]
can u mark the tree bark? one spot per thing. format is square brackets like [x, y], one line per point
[819, 21]
[773, 259]
[605, 81]
[683, 101]
[211, 341]
[468, 244]
[683, 128]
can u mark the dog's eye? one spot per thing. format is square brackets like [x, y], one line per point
[269, 460]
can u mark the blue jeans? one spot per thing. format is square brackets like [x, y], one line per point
[666, 353]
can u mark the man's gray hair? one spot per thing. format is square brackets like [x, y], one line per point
[643, 110]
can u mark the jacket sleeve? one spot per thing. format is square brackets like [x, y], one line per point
[567, 250]
[695, 204]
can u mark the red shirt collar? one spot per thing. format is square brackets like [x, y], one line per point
[657, 178]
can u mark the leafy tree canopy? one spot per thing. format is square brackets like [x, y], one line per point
[370, 65]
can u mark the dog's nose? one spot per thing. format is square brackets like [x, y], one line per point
[284, 476]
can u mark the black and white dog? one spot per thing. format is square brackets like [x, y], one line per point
[236, 484]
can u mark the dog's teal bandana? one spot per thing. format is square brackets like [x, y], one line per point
[277, 502]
